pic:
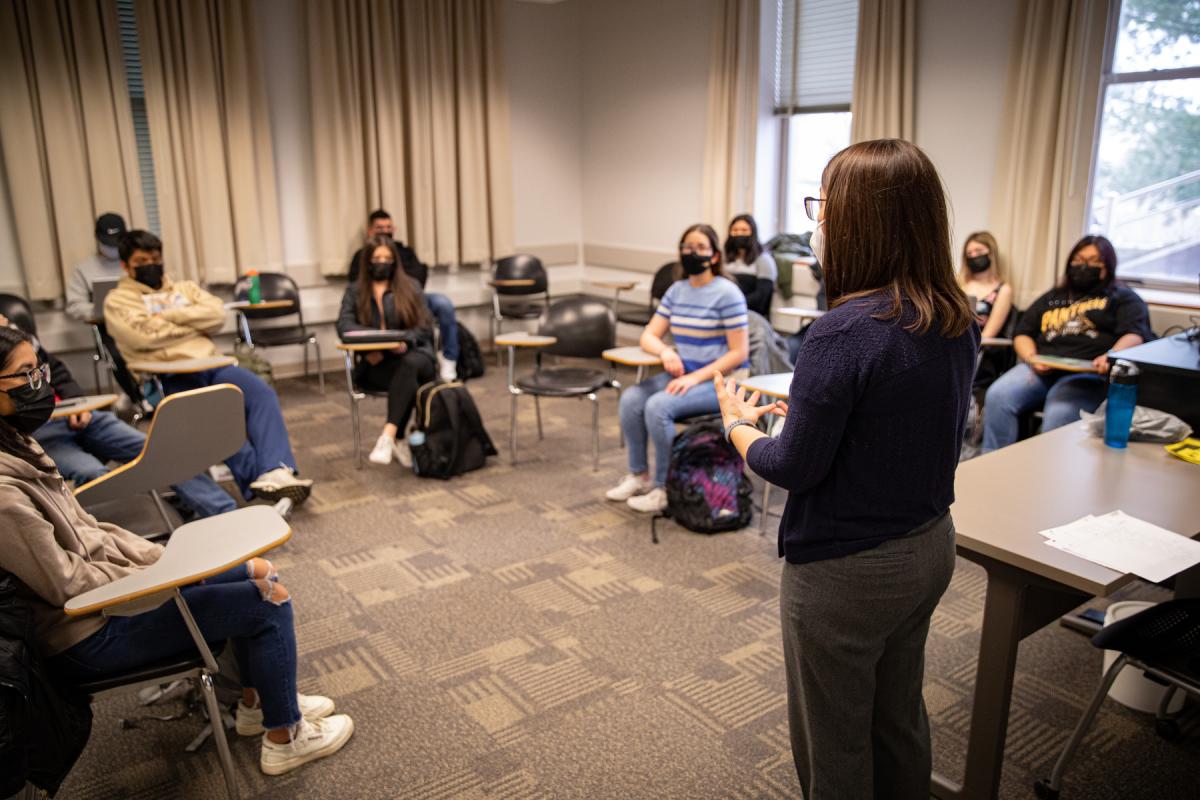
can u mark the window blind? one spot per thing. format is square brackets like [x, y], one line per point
[814, 55]
[132, 57]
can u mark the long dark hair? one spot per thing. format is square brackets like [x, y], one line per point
[1108, 254]
[12, 441]
[714, 242]
[887, 230]
[410, 306]
[754, 251]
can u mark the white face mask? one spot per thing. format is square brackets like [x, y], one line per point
[817, 243]
[109, 251]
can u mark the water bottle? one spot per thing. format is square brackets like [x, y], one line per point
[1122, 399]
[255, 293]
[416, 438]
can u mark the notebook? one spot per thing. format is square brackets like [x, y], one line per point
[100, 290]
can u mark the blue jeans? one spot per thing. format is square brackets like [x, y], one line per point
[647, 410]
[1061, 396]
[228, 606]
[442, 308]
[82, 456]
[267, 446]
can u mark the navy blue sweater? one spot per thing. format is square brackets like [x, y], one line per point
[871, 440]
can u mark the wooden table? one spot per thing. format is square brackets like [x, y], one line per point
[802, 313]
[632, 357]
[511, 283]
[617, 287]
[995, 341]
[1003, 499]
[78, 405]
[265, 305]
[183, 366]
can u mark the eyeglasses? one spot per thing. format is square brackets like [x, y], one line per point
[36, 376]
[812, 206]
[692, 249]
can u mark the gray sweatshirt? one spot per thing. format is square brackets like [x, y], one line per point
[79, 287]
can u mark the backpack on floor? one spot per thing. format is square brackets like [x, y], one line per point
[248, 358]
[707, 487]
[470, 358]
[451, 436]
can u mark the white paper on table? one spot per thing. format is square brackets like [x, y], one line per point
[1127, 544]
[1050, 533]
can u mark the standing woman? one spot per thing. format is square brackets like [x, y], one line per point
[754, 270]
[706, 315]
[384, 298]
[867, 453]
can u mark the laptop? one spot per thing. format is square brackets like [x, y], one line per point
[100, 290]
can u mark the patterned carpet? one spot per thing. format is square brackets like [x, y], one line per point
[512, 635]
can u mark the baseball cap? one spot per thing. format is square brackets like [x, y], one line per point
[109, 227]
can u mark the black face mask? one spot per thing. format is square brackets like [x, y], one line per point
[1083, 278]
[693, 263]
[382, 270]
[740, 242]
[31, 407]
[149, 274]
[979, 264]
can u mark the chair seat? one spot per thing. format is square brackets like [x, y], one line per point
[277, 337]
[512, 310]
[564, 381]
[150, 672]
[1166, 635]
[714, 416]
[641, 317]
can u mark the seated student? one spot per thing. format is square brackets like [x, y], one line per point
[706, 315]
[1088, 314]
[56, 551]
[379, 223]
[980, 276]
[385, 298]
[749, 265]
[81, 445]
[152, 318]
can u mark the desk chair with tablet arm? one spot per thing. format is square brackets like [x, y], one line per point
[515, 281]
[190, 432]
[281, 298]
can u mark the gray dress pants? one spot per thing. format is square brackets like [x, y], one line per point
[854, 632]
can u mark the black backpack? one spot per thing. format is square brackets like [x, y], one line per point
[454, 438]
[470, 358]
[707, 487]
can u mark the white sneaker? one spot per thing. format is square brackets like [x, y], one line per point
[382, 454]
[311, 739]
[312, 706]
[447, 369]
[403, 453]
[650, 503]
[282, 482]
[629, 486]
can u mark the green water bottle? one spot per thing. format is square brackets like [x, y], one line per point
[255, 293]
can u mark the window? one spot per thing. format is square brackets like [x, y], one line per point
[814, 75]
[132, 56]
[1146, 179]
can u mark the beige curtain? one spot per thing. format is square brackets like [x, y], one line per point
[409, 114]
[66, 133]
[732, 113]
[882, 102]
[209, 130]
[1045, 152]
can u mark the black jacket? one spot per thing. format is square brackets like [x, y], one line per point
[418, 339]
[61, 379]
[42, 731]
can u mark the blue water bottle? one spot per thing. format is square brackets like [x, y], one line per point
[1122, 399]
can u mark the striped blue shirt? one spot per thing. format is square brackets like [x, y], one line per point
[700, 318]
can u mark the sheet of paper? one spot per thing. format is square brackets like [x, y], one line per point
[1127, 544]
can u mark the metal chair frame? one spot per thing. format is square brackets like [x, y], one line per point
[357, 395]
[245, 335]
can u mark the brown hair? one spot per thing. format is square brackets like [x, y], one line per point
[986, 239]
[710, 234]
[887, 230]
[410, 307]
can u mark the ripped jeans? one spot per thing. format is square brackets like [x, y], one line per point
[254, 615]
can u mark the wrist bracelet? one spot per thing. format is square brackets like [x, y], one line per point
[740, 421]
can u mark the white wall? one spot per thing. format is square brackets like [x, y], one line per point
[962, 64]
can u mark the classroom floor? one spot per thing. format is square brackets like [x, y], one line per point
[510, 634]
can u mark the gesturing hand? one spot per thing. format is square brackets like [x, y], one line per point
[735, 404]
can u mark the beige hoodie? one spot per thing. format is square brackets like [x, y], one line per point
[168, 324]
[56, 550]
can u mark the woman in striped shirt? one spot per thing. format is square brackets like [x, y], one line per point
[706, 315]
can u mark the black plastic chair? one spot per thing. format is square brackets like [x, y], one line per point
[517, 300]
[584, 327]
[275, 286]
[666, 275]
[19, 313]
[1164, 642]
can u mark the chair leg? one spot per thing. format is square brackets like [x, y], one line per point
[305, 348]
[537, 407]
[762, 522]
[512, 430]
[320, 372]
[595, 431]
[162, 511]
[218, 733]
[355, 424]
[1085, 722]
